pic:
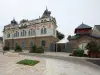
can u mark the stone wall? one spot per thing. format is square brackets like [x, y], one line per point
[84, 39]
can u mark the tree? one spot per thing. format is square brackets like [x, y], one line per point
[23, 21]
[59, 35]
[93, 46]
[94, 49]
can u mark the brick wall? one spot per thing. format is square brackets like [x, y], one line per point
[34, 40]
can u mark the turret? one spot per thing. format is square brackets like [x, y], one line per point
[83, 29]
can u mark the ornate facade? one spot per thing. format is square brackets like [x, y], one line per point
[41, 31]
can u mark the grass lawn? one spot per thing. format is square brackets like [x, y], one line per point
[28, 62]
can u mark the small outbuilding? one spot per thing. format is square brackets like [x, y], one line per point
[63, 46]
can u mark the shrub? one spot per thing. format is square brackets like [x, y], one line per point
[78, 52]
[18, 48]
[28, 62]
[33, 49]
[40, 50]
[6, 48]
[93, 46]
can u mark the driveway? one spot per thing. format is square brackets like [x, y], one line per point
[63, 64]
[50, 64]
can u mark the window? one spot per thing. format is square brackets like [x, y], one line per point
[25, 33]
[42, 31]
[21, 33]
[33, 32]
[14, 34]
[17, 34]
[45, 30]
[8, 35]
[43, 43]
[29, 32]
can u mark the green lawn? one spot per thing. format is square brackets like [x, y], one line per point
[28, 62]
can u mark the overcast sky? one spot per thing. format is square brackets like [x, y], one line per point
[68, 13]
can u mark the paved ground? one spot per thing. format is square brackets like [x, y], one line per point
[50, 64]
[8, 65]
[97, 62]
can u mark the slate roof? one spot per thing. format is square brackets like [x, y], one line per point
[14, 21]
[95, 36]
[46, 13]
[82, 26]
[97, 27]
[90, 35]
[74, 37]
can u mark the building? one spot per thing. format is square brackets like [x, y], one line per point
[40, 31]
[84, 34]
[1, 43]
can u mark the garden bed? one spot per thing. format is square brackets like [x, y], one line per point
[28, 62]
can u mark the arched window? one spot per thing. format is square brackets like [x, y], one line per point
[14, 34]
[25, 33]
[8, 35]
[45, 31]
[21, 33]
[29, 32]
[33, 32]
[17, 34]
[43, 43]
[42, 31]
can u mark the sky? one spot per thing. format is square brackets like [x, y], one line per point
[68, 13]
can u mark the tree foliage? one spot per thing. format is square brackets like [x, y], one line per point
[23, 21]
[59, 35]
[93, 46]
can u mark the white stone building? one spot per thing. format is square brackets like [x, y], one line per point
[41, 31]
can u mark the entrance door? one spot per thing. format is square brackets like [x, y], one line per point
[23, 44]
[82, 46]
[52, 47]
